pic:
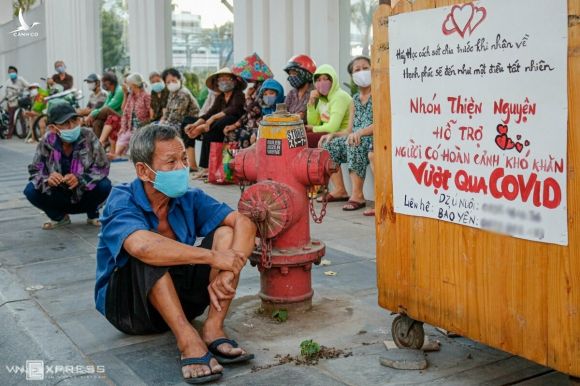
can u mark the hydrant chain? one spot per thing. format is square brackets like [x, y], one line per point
[318, 219]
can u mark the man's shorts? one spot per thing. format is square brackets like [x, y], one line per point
[127, 306]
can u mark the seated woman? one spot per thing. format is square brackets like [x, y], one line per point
[136, 113]
[243, 133]
[270, 95]
[300, 69]
[328, 106]
[180, 104]
[353, 145]
[159, 95]
[69, 171]
[227, 109]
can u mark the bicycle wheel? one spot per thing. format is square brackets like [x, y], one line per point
[39, 127]
[20, 126]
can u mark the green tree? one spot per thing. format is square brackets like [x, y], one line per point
[362, 17]
[112, 38]
[24, 4]
[221, 40]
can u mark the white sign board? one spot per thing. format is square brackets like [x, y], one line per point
[479, 116]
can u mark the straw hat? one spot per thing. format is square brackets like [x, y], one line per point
[211, 81]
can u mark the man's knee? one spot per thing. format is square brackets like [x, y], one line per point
[223, 237]
[31, 193]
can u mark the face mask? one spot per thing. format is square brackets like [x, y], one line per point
[91, 86]
[269, 100]
[70, 135]
[226, 85]
[13, 75]
[173, 87]
[157, 86]
[323, 87]
[33, 92]
[173, 183]
[296, 81]
[60, 69]
[362, 78]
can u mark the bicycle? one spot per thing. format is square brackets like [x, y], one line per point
[4, 116]
[72, 96]
[24, 105]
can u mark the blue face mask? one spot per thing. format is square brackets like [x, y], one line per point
[60, 69]
[157, 86]
[13, 75]
[269, 100]
[173, 183]
[70, 135]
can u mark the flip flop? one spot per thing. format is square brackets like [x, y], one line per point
[94, 222]
[369, 212]
[204, 360]
[331, 198]
[226, 359]
[50, 225]
[353, 205]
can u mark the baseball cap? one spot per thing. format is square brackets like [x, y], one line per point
[92, 78]
[60, 111]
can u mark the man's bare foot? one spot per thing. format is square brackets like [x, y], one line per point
[195, 348]
[211, 333]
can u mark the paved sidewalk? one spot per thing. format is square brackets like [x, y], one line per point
[47, 311]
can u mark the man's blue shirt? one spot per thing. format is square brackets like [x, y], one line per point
[128, 210]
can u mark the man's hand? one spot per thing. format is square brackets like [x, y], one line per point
[229, 260]
[221, 288]
[89, 120]
[71, 180]
[55, 179]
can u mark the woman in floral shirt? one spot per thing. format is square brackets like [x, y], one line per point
[352, 146]
[69, 171]
[136, 112]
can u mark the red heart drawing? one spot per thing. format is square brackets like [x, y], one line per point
[479, 15]
[527, 143]
[461, 16]
[510, 144]
[519, 147]
[502, 129]
[518, 137]
[501, 141]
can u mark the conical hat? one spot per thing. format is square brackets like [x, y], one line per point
[252, 68]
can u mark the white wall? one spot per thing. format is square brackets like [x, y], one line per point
[73, 35]
[280, 29]
[24, 52]
[149, 35]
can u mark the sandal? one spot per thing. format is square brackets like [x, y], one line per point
[353, 205]
[50, 225]
[369, 212]
[331, 198]
[224, 358]
[204, 360]
[94, 222]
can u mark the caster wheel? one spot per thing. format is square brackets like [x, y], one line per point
[408, 333]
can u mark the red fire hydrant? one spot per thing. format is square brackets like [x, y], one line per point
[280, 204]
